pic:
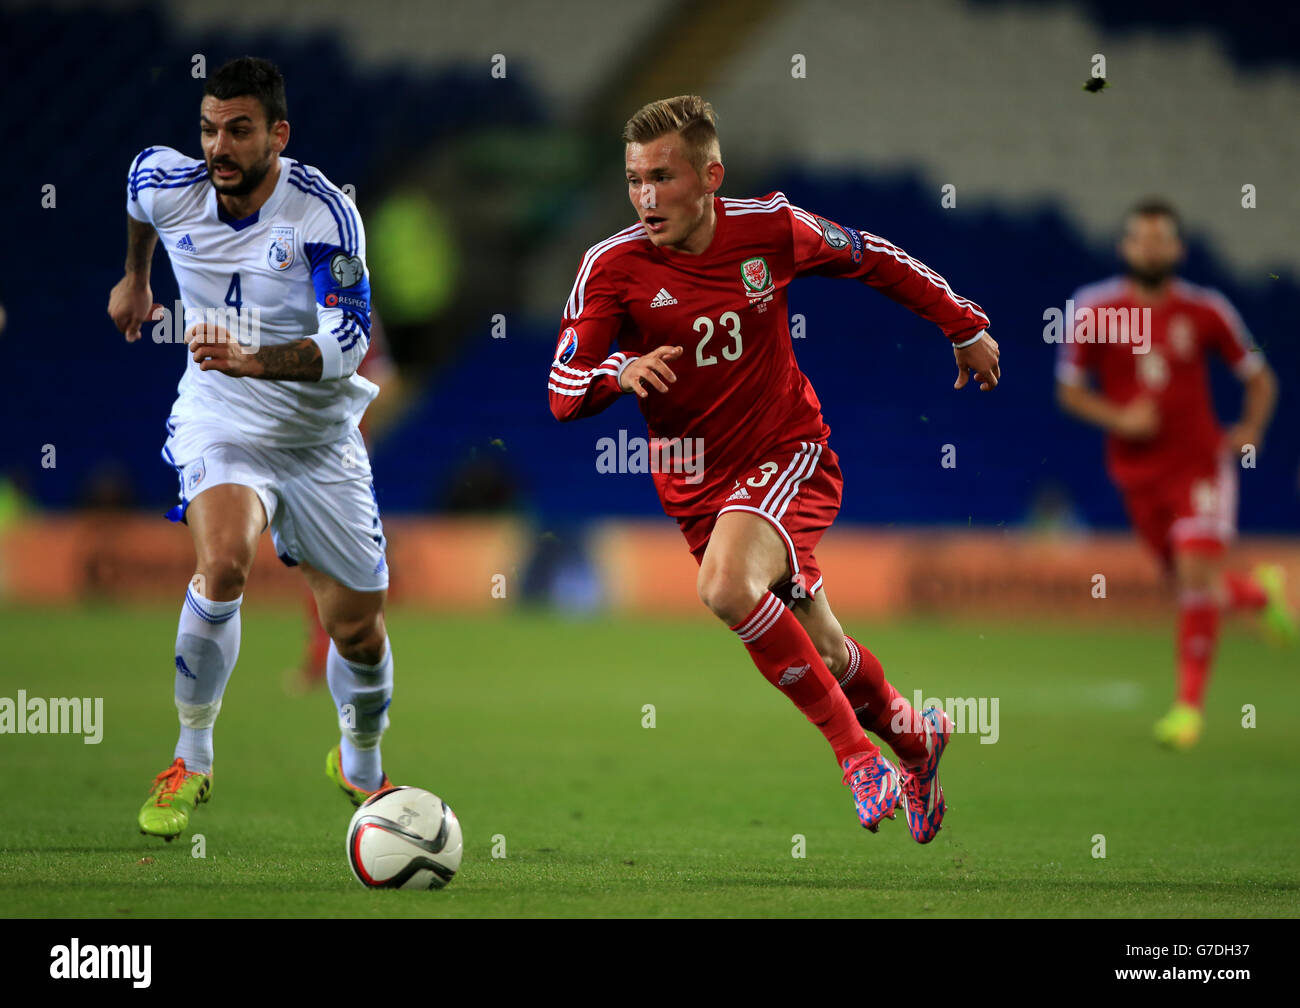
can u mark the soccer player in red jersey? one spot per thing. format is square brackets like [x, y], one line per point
[1173, 465]
[694, 296]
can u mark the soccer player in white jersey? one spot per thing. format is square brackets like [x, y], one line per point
[263, 432]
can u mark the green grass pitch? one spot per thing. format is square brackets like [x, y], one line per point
[532, 728]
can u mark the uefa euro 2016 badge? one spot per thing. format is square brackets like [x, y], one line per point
[567, 347]
[280, 255]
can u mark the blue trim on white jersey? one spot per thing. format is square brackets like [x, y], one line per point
[166, 181]
[177, 513]
[315, 184]
[352, 301]
[343, 214]
[140, 173]
[142, 176]
[238, 223]
[350, 331]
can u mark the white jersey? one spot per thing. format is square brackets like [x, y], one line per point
[294, 269]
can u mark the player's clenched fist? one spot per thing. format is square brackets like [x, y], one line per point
[214, 349]
[129, 305]
[650, 370]
[981, 360]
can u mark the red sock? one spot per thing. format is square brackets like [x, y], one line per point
[784, 653]
[1198, 633]
[1244, 591]
[879, 707]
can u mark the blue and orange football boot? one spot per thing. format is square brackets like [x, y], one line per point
[922, 795]
[875, 784]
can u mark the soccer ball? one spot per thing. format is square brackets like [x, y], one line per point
[404, 838]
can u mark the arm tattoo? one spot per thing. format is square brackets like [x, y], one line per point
[299, 361]
[140, 241]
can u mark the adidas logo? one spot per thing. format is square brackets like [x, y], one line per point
[185, 245]
[740, 493]
[793, 674]
[663, 299]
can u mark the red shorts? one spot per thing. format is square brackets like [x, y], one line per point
[1195, 511]
[796, 487]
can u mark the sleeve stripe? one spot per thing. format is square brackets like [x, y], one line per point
[1231, 319]
[157, 178]
[338, 207]
[563, 369]
[585, 379]
[159, 171]
[350, 331]
[573, 307]
[873, 242]
[740, 207]
[180, 184]
[754, 210]
[915, 264]
[807, 218]
[569, 381]
[580, 383]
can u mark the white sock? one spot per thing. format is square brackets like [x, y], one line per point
[361, 695]
[207, 646]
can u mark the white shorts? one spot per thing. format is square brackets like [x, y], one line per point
[320, 502]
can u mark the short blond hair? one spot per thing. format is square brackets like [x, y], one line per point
[689, 115]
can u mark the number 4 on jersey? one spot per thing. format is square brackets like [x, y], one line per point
[233, 296]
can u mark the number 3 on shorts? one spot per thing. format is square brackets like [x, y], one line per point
[768, 469]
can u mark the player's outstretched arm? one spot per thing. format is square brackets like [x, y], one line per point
[214, 349]
[822, 247]
[130, 302]
[981, 360]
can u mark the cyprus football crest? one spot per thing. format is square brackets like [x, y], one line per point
[280, 254]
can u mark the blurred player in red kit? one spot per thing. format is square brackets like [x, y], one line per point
[1173, 465]
[687, 310]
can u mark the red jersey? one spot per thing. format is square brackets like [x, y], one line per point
[1185, 326]
[739, 390]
